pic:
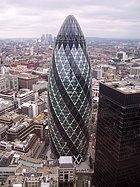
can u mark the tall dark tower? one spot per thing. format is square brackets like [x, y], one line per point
[117, 156]
[69, 93]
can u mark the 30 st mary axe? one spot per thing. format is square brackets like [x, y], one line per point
[69, 93]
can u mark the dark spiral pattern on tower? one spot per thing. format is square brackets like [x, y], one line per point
[69, 93]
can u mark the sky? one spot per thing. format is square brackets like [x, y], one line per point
[97, 18]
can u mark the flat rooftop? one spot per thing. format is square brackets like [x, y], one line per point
[3, 126]
[8, 92]
[65, 159]
[125, 86]
[23, 92]
[27, 76]
[4, 104]
[18, 126]
[66, 162]
[18, 180]
[45, 169]
[25, 143]
[11, 116]
[6, 158]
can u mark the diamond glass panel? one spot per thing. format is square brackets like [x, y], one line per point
[69, 93]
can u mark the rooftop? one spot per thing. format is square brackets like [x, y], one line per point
[16, 127]
[45, 170]
[15, 180]
[125, 86]
[40, 118]
[25, 143]
[2, 126]
[6, 158]
[23, 92]
[11, 116]
[20, 68]
[66, 161]
[31, 160]
[27, 76]
[8, 92]
[4, 103]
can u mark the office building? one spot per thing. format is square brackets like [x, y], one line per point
[3, 129]
[8, 95]
[8, 165]
[32, 109]
[19, 69]
[26, 95]
[29, 108]
[66, 172]
[97, 73]
[40, 85]
[135, 72]
[122, 56]
[33, 179]
[20, 130]
[26, 80]
[6, 106]
[8, 82]
[15, 181]
[29, 146]
[9, 118]
[117, 156]
[25, 126]
[69, 93]
[32, 50]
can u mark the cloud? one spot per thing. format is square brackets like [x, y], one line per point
[99, 18]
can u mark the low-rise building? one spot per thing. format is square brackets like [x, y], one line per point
[8, 95]
[30, 145]
[8, 82]
[9, 118]
[3, 129]
[39, 85]
[32, 109]
[29, 108]
[33, 179]
[25, 95]
[6, 106]
[20, 130]
[66, 171]
[19, 69]
[135, 70]
[15, 181]
[26, 80]
[8, 165]
[97, 73]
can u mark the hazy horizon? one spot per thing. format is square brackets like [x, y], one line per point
[93, 37]
[99, 18]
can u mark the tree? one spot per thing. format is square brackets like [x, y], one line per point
[42, 90]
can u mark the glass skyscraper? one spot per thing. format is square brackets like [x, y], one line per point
[69, 93]
[117, 155]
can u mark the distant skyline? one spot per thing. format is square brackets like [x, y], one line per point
[97, 18]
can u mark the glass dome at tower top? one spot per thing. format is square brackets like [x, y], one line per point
[70, 28]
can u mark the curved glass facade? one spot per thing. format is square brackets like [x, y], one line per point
[69, 93]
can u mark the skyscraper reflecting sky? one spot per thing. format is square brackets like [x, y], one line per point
[117, 155]
[69, 93]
